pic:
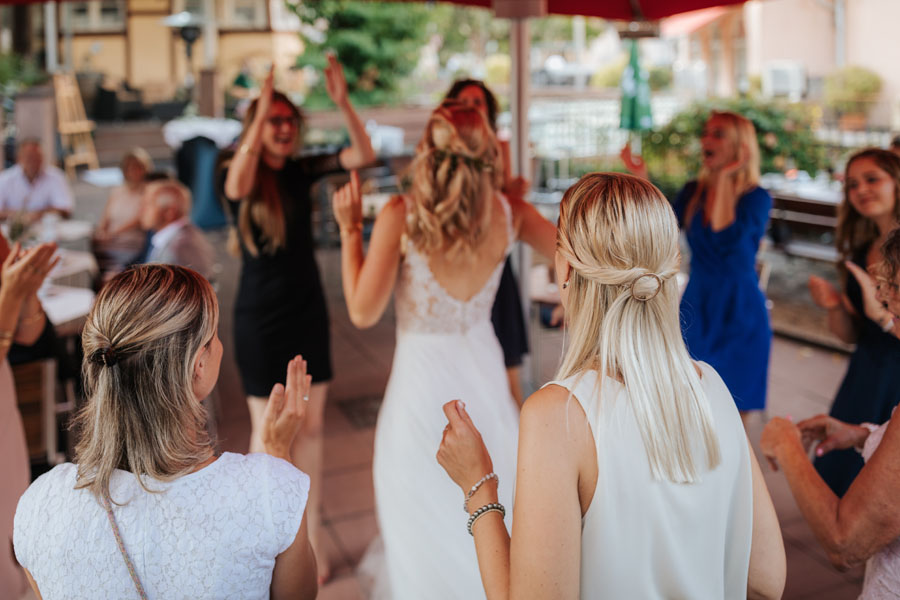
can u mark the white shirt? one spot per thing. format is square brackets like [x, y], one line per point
[211, 534]
[49, 190]
[645, 539]
[164, 236]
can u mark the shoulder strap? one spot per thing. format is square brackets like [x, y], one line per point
[130, 565]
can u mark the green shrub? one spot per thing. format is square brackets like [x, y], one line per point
[852, 90]
[784, 133]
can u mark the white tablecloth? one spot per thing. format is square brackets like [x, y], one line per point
[222, 131]
[64, 304]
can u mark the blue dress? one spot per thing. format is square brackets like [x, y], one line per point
[723, 312]
[870, 390]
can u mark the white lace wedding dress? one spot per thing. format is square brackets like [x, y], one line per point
[446, 349]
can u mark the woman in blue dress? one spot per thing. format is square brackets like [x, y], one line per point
[871, 387]
[724, 215]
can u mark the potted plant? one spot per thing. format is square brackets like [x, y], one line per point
[851, 92]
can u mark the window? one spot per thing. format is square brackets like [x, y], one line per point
[243, 14]
[282, 18]
[95, 16]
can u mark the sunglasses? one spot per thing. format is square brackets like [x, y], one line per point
[279, 121]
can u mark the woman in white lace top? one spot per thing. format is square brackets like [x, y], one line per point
[864, 524]
[148, 509]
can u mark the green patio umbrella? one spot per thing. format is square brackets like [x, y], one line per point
[635, 115]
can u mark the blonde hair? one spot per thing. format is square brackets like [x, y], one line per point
[140, 342]
[620, 237]
[263, 208]
[741, 132]
[138, 155]
[454, 175]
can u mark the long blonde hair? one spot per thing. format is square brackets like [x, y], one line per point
[140, 342]
[741, 132]
[455, 174]
[620, 237]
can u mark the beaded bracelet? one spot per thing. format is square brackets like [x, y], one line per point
[492, 507]
[475, 489]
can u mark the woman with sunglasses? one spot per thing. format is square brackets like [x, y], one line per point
[280, 308]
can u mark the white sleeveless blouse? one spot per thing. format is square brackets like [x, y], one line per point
[211, 534]
[643, 539]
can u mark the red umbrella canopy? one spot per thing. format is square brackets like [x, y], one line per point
[618, 9]
[608, 9]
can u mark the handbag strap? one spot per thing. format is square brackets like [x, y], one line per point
[121, 545]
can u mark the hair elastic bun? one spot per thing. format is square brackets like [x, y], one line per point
[106, 356]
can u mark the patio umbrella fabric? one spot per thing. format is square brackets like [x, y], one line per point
[635, 95]
[617, 9]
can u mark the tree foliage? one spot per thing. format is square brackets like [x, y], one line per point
[784, 133]
[378, 44]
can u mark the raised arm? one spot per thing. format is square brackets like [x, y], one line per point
[533, 228]
[21, 276]
[368, 280]
[852, 528]
[360, 153]
[242, 170]
[543, 557]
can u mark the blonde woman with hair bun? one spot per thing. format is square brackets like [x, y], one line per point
[147, 509]
[442, 246]
[635, 478]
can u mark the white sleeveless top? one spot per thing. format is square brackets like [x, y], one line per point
[643, 539]
[210, 534]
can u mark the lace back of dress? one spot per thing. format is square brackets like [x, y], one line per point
[424, 306]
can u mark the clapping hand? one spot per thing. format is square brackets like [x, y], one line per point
[831, 434]
[266, 92]
[286, 409]
[633, 164]
[872, 306]
[24, 271]
[347, 205]
[823, 293]
[462, 452]
[335, 82]
[742, 158]
[776, 434]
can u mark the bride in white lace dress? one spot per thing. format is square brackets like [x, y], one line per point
[443, 247]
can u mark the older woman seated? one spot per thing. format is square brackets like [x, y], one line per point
[147, 506]
[864, 525]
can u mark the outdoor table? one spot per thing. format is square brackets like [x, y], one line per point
[75, 268]
[66, 307]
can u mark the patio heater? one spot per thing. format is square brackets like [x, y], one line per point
[189, 26]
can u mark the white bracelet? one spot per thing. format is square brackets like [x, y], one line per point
[475, 489]
[888, 325]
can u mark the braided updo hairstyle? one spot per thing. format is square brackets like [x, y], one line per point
[620, 237]
[140, 342]
[454, 176]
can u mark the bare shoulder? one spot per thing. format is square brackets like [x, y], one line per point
[392, 218]
[552, 410]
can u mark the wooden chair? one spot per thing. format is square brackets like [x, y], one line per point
[74, 127]
[36, 394]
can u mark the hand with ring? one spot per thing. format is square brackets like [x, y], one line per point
[286, 409]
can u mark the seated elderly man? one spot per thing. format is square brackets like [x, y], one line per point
[32, 187]
[167, 205]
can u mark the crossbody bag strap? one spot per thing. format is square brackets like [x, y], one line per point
[121, 545]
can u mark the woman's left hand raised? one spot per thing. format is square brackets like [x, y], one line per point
[286, 409]
[347, 205]
[335, 82]
[462, 452]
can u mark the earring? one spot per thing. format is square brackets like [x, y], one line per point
[565, 284]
